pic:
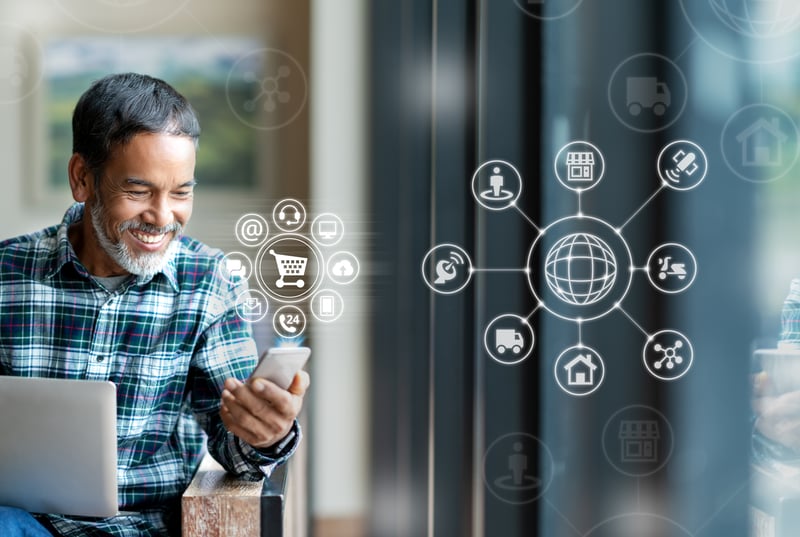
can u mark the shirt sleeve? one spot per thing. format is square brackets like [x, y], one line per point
[226, 349]
[790, 315]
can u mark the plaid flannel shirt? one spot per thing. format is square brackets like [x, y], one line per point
[168, 343]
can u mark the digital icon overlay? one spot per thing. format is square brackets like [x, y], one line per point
[579, 166]
[647, 92]
[290, 268]
[579, 370]
[579, 268]
[508, 339]
[671, 268]
[682, 165]
[637, 440]
[668, 355]
[517, 468]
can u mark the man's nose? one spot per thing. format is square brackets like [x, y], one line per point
[160, 212]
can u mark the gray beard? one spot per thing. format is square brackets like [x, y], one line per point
[145, 265]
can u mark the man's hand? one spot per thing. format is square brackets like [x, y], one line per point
[777, 414]
[260, 412]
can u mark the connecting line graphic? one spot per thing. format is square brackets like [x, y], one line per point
[660, 188]
[526, 217]
[633, 321]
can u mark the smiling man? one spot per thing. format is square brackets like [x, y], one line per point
[116, 292]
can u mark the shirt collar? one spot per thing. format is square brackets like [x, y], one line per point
[64, 253]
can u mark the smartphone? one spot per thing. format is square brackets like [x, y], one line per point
[279, 364]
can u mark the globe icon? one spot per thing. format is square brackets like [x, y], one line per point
[758, 18]
[580, 269]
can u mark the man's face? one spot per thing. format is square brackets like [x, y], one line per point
[143, 202]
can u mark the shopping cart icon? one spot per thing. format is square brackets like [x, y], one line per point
[292, 266]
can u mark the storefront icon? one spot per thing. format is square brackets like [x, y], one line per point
[639, 440]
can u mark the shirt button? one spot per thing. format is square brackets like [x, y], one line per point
[100, 359]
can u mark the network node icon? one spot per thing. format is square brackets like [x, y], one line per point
[289, 322]
[508, 339]
[579, 370]
[682, 165]
[289, 215]
[579, 166]
[638, 440]
[671, 268]
[760, 143]
[446, 269]
[518, 468]
[647, 92]
[579, 268]
[251, 306]
[668, 355]
[289, 268]
[252, 230]
[496, 185]
[235, 266]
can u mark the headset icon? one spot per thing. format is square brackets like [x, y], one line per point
[282, 215]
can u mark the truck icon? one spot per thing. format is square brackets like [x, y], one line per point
[647, 92]
[507, 338]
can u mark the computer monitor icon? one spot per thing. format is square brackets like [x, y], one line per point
[327, 229]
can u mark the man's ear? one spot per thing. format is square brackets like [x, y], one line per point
[81, 179]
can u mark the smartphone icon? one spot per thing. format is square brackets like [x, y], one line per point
[326, 306]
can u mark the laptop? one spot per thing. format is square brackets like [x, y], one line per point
[58, 446]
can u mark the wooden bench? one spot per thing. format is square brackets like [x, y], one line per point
[217, 504]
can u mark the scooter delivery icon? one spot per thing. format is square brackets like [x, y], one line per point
[667, 268]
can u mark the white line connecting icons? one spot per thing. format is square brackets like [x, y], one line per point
[291, 267]
[580, 268]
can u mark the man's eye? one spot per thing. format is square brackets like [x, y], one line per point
[137, 192]
[183, 193]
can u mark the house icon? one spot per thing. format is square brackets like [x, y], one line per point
[761, 143]
[580, 370]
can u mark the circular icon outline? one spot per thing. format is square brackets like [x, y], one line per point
[737, 172]
[29, 41]
[671, 441]
[682, 78]
[241, 236]
[639, 515]
[677, 334]
[690, 280]
[627, 267]
[321, 240]
[511, 199]
[239, 302]
[583, 348]
[280, 329]
[267, 51]
[550, 18]
[138, 5]
[721, 49]
[314, 310]
[329, 268]
[223, 269]
[299, 209]
[468, 262]
[545, 483]
[595, 182]
[522, 321]
[669, 183]
[263, 252]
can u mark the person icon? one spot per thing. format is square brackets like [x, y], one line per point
[496, 191]
[496, 182]
[517, 478]
[518, 464]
